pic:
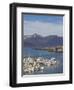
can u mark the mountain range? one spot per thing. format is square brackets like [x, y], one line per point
[39, 41]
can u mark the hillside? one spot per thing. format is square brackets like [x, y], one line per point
[38, 41]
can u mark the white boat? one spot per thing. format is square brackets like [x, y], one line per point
[53, 58]
[53, 61]
[41, 68]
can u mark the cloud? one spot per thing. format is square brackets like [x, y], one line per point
[42, 28]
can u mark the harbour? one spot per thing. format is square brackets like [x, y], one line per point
[41, 62]
[37, 64]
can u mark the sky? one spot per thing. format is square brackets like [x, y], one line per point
[43, 24]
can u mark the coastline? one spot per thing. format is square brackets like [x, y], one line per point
[52, 49]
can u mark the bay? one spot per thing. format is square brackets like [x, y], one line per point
[31, 52]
